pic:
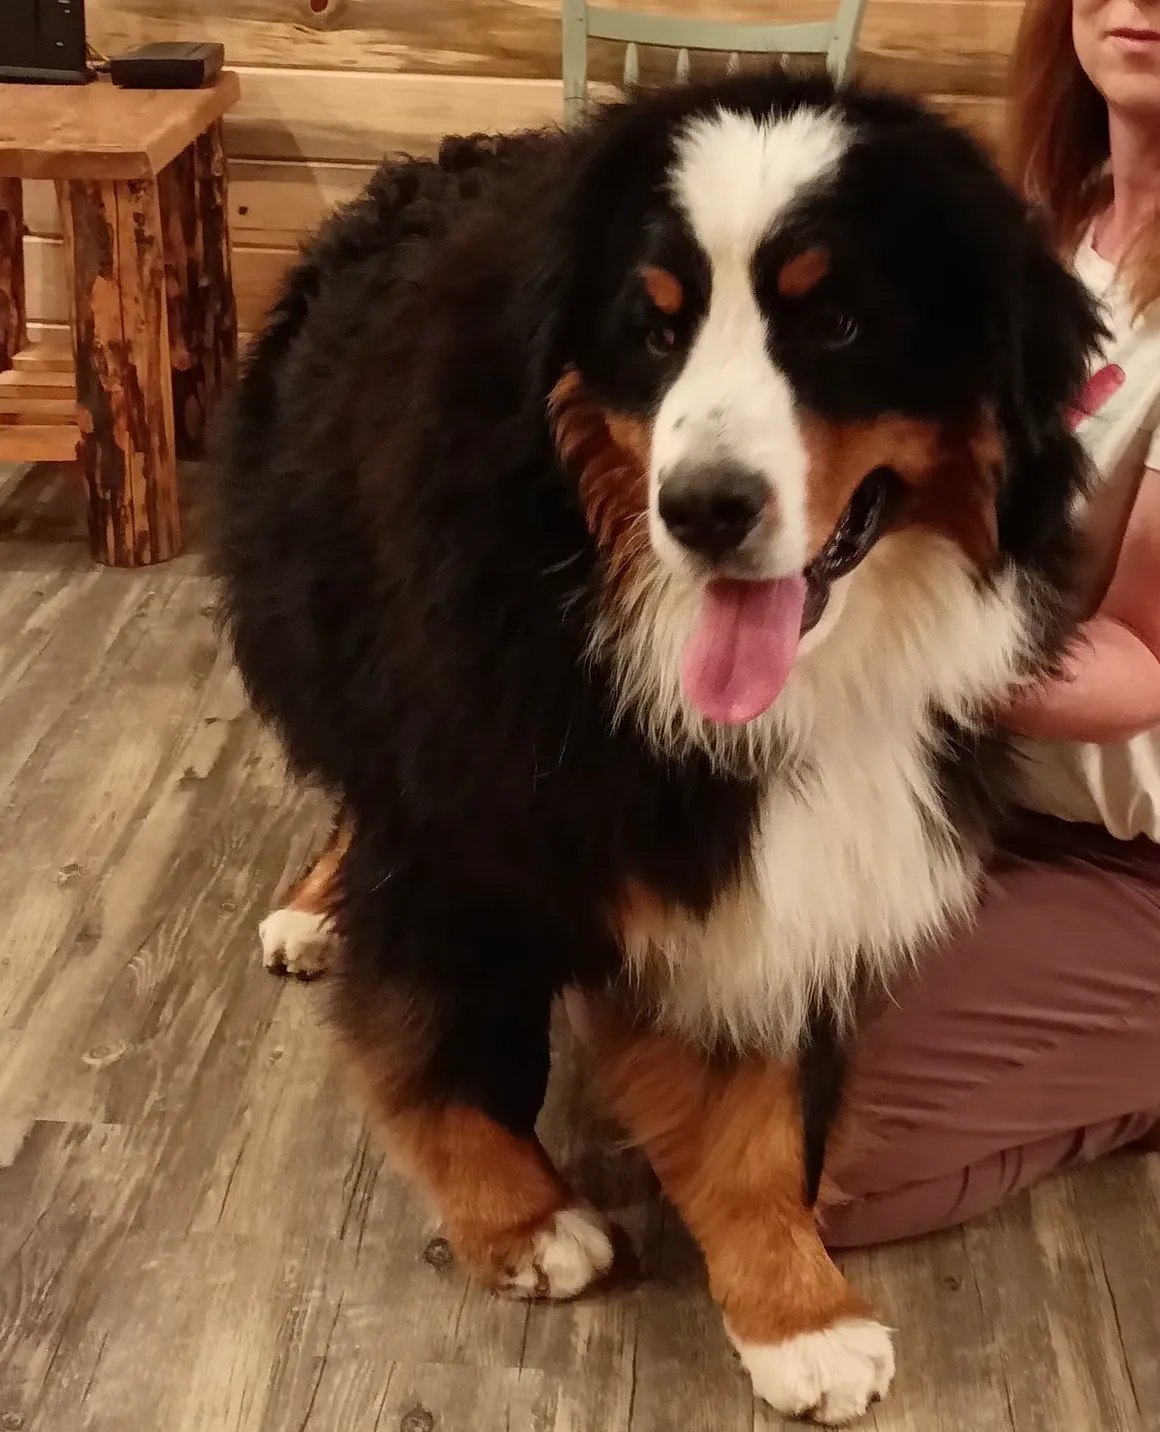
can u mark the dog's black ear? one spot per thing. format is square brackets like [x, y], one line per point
[1052, 330]
[1056, 325]
[552, 275]
[602, 172]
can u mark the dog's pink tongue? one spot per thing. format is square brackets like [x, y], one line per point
[744, 647]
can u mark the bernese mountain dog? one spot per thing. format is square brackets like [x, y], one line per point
[635, 527]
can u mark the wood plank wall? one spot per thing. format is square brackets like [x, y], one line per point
[329, 85]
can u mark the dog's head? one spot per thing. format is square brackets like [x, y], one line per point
[777, 323]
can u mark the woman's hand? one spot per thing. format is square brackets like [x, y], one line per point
[1110, 690]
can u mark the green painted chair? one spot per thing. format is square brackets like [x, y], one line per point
[836, 39]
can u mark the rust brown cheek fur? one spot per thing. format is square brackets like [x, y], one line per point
[959, 496]
[949, 473]
[608, 453]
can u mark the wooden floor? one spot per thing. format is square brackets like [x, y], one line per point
[196, 1232]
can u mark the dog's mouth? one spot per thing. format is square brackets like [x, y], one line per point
[746, 641]
[859, 527]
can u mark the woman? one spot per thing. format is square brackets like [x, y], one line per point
[1031, 1044]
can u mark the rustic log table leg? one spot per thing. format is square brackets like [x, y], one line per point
[12, 311]
[203, 325]
[124, 390]
[65, 208]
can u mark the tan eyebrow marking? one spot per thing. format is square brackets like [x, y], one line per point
[803, 272]
[663, 288]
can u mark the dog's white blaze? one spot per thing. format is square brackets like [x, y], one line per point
[733, 178]
[731, 402]
[854, 863]
[735, 175]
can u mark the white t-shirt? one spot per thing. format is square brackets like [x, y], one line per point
[1116, 785]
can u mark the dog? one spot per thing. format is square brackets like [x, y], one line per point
[636, 527]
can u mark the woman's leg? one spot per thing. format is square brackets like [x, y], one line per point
[1025, 1046]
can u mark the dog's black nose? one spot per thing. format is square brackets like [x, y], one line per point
[712, 508]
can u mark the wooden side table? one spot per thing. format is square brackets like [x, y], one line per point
[141, 177]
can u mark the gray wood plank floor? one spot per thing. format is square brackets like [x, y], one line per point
[197, 1233]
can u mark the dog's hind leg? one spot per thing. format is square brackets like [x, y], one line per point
[298, 937]
[726, 1143]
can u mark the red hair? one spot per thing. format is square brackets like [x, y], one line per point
[1059, 141]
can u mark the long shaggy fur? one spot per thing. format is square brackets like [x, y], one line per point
[445, 588]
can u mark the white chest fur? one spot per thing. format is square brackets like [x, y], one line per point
[847, 872]
[856, 864]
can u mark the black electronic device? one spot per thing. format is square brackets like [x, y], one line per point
[188, 64]
[43, 41]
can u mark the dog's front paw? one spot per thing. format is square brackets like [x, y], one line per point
[298, 942]
[831, 1376]
[570, 1252]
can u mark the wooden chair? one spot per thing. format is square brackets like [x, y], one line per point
[836, 38]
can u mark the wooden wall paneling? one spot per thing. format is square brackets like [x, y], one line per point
[309, 114]
[313, 114]
[959, 46]
[41, 209]
[46, 283]
[275, 204]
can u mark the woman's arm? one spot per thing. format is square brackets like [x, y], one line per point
[1110, 690]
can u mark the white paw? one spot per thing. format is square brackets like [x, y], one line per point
[296, 941]
[567, 1256]
[832, 1376]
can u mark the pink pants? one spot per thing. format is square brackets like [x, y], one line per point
[1028, 1045]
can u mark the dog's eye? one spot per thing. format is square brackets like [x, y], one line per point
[660, 342]
[832, 329]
